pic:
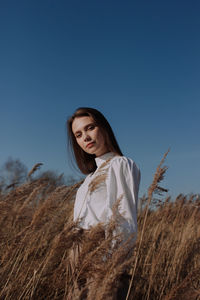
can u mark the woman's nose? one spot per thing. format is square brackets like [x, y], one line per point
[87, 137]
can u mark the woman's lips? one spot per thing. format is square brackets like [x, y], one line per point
[90, 145]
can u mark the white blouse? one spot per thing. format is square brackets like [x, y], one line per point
[116, 177]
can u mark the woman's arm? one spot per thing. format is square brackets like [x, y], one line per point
[123, 185]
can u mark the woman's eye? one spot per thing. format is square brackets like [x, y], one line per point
[78, 135]
[91, 127]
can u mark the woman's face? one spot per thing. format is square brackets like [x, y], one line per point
[89, 136]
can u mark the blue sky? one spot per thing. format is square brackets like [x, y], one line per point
[136, 61]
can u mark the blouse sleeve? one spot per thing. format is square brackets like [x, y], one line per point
[123, 185]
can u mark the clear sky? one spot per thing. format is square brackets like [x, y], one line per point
[136, 61]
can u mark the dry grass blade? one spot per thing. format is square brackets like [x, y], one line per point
[34, 168]
[37, 237]
[159, 175]
[187, 289]
[12, 185]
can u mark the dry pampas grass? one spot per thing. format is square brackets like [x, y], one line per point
[38, 239]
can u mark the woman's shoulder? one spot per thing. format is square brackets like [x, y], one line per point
[122, 160]
[125, 165]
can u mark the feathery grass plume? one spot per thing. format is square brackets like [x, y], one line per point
[154, 187]
[101, 263]
[34, 168]
[188, 289]
[12, 185]
[100, 177]
[33, 242]
[38, 237]
[167, 253]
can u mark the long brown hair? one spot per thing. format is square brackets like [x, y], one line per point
[86, 162]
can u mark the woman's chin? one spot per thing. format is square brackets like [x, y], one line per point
[90, 151]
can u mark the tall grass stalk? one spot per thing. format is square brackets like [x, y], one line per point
[38, 236]
[159, 175]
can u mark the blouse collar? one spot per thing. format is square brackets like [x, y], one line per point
[101, 159]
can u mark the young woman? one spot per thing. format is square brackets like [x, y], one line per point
[110, 175]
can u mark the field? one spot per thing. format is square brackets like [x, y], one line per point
[37, 236]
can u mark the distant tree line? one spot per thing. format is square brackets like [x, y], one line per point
[14, 173]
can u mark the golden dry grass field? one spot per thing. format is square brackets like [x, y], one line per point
[37, 236]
